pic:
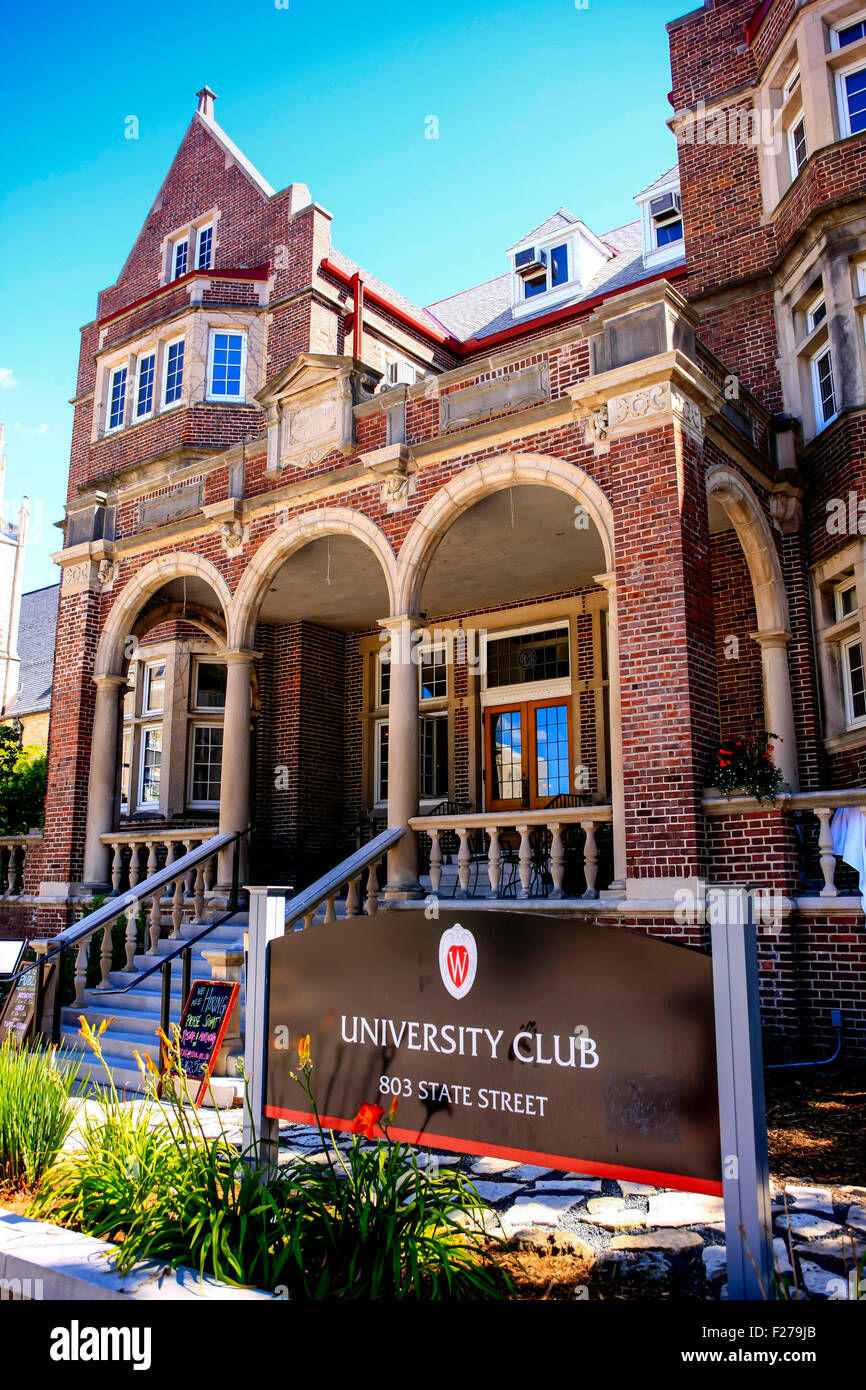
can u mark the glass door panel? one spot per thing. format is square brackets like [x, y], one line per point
[505, 758]
[551, 762]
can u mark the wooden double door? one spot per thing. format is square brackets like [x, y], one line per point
[527, 753]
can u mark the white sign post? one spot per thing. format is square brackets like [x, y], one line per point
[742, 1110]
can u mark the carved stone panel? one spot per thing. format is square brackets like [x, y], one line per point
[181, 502]
[481, 401]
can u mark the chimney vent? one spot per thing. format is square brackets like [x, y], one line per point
[206, 99]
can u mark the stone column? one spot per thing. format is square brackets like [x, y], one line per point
[403, 753]
[235, 780]
[778, 705]
[617, 781]
[103, 780]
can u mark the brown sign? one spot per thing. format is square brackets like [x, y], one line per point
[544, 1039]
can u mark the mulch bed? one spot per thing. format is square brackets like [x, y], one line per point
[816, 1125]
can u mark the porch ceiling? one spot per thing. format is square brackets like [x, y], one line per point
[513, 545]
[334, 581]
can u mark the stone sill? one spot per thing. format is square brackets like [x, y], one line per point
[71, 1267]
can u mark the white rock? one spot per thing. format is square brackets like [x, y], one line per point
[672, 1241]
[527, 1172]
[781, 1256]
[496, 1191]
[802, 1198]
[489, 1167]
[635, 1189]
[684, 1209]
[528, 1211]
[823, 1282]
[856, 1219]
[715, 1258]
[805, 1226]
[425, 1159]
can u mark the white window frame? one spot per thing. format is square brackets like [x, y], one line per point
[382, 659]
[845, 646]
[425, 650]
[845, 24]
[794, 163]
[176, 245]
[149, 666]
[144, 414]
[199, 233]
[791, 82]
[860, 268]
[843, 587]
[141, 804]
[197, 724]
[811, 310]
[196, 708]
[549, 287]
[128, 733]
[442, 715]
[511, 694]
[378, 798]
[165, 404]
[842, 98]
[114, 372]
[234, 333]
[820, 422]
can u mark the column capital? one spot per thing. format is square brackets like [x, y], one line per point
[107, 678]
[772, 637]
[240, 656]
[607, 581]
[411, 620]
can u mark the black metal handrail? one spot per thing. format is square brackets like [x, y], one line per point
[116, 907]
[367, 857]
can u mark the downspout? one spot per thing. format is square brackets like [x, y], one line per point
[358, 317]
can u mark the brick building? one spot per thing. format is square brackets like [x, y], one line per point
[503, 570]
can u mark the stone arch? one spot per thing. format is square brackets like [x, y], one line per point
[753, 531]
[741, 505]
[283, 543]
[124, 614]
[480, 480]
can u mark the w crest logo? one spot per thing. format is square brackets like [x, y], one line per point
[458, 960]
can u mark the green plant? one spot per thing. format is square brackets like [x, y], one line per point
[22, 783]
[35, 1111]
[746, 765]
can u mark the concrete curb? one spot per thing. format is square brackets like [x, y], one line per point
[41, 1261]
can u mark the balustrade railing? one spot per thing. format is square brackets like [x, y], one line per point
[358, 876]
[13, 856]
[551, 853]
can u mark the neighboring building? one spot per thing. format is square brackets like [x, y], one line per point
[589, 498]
[13, 540]
[30, 703]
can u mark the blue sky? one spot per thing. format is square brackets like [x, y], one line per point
[538, 106]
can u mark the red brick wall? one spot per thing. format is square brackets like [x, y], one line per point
[741, 692]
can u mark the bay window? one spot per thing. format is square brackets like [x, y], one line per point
[116, 398]
[173, 385]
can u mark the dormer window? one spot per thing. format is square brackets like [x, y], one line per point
[542, 268]
[662, 220]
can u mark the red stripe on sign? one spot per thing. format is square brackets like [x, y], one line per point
[469, 1146]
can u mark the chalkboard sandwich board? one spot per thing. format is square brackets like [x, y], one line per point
[19, 1010]
[203, 1025]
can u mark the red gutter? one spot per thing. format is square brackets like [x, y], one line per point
[752, 25]
[259, 272]
[475, 344]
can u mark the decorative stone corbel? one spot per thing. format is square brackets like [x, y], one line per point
[396, 468]
[107, 572]
[233, 534]
[786, 509]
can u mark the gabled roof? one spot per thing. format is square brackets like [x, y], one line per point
[398, 300]
[663, 181]
[557, 222]
[237, 155]
[36, 637]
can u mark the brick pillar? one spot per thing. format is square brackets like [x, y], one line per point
[667, 664]
[70, 738]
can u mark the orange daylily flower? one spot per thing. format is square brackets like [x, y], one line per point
[304, 1050]
[392, 1111]
[366, 1120]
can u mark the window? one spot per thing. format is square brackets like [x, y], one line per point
[851, 89]
[400, 372]
[154, 687]
[151, 756]
[116, 398]
[670, 232]
[179, 256]
[144, 388]
[125, 770]
[840, 38]
[816, 313]
[854, 681]
[434, 673]
[845, 598]
[206, 764]
[173, 373]
[791, 84]
[204, 247]
[226, 366]
[383, 693]
[381, 788]
[210, 685]
[797, 148]
[526, 657]
[129, 694]
[822, 387]
[554, 275]
[861, 278]
[433, 755]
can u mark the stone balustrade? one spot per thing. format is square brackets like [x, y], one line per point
[530, 854]
[13, 856]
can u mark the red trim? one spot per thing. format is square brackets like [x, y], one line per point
[752, 25]
[427, 329]
[258, 272]
[470, 1146]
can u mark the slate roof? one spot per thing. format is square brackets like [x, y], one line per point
[36, 634]
[660, 182]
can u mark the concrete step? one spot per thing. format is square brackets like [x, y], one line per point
[143, 998]
[227, 1091]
